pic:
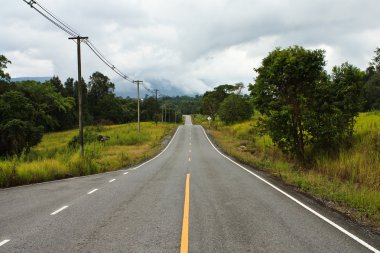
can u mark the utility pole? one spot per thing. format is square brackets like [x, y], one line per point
[156, 111]
[165, 113]
[138, 103]
[170, 116]
[80, 115]
[162, 113]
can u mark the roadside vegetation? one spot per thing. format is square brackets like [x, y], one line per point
[348, 180]
[315, 129]
[56, 157]
[36, 140]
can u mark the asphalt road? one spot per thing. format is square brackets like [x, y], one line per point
[143, 209]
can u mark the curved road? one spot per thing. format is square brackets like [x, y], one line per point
[189, 198]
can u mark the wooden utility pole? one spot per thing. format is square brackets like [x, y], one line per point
[165, 114]
[138, 104]
[156, 111]
[162, 113]
[80, 115]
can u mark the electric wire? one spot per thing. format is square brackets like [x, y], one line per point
[72, 32]
[57, 19]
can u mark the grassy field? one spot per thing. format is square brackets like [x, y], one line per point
[54, 159]
[348, 181]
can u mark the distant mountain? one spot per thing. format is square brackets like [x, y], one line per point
[40, 79]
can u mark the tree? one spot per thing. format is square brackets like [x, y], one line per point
[234, 109]
[69, 88]
[212, 99]
[57, 84]
[210, 104]
[347, 85]
[17, 123]
[371, 88]
[375, 63]
[99, 86]
[100, 90]
[3, 65]
[371, 93]
[285, 85]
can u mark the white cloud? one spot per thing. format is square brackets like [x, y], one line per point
[28, 64]
[187, 45]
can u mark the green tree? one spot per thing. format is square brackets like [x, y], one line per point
[212, 99]
[48, 103]
[69, 88]
[17, 123]
[57, 84]
[99, 86]
[3, 65]
[371, 93]
[210, 104]
[100, 91]
[371, 88]
[285, 84]
[234, 109]
[347, 85]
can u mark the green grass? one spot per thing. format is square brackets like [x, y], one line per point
[348, 180]
[54, 159]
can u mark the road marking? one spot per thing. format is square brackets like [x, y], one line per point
[163, 151]
[125, 173]
[189, 150]
[352, 236]
[91, 192]
[112, 180]
[185, 223]
[3, 242]
[59, 210]
[189, 159]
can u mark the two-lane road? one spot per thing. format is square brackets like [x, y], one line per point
[189, 197]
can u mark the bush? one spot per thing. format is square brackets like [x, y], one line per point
[89, 135]
[17, 135]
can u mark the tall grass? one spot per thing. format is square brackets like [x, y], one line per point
[348, 180]
[54, 159]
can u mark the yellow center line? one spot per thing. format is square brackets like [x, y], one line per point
[185, 223]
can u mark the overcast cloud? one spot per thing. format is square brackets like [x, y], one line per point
[184, 46]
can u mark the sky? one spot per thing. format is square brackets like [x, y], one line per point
[183, 47]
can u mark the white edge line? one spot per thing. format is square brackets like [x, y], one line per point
[352, 236]
[163, 151]
[112, 180]
[90, 192]
[125, 173]
[4, 242]
[59, 210]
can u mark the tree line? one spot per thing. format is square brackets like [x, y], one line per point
[29, 108]
[301, 105]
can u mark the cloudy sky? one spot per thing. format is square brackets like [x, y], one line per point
[184, 46]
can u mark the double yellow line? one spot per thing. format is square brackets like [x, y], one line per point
[185, 223]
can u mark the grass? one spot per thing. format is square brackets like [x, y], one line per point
[348, 181]
[54, 159]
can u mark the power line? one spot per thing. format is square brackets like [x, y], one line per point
[57, 23]
[73, 33]
[58, 20]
